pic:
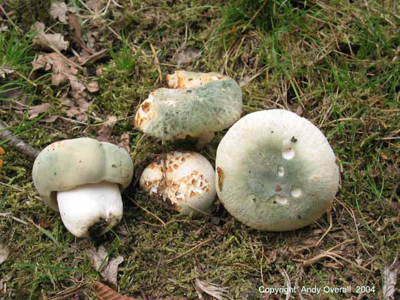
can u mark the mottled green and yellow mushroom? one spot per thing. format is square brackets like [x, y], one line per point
[185, 179]
[195, 105]
[83, 179]
[276, 171]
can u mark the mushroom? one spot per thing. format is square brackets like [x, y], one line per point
[196, 105]
[82, 179]
[276, 171]
[185, 179]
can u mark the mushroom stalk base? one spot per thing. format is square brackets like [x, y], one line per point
[90, 209]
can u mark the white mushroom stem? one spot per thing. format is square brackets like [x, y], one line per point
[90, 208]
[203, 139]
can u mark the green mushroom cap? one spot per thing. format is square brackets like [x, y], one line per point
[67, 164]
[211, 106]
[276, 171]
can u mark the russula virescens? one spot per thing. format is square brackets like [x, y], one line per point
[185, 179]
[82, 179]
[196, 105]
[276, 171]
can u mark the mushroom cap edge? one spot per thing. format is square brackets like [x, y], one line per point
[66, 164]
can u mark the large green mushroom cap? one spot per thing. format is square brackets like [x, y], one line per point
[67, 164]
[276, 171]
[197, 105]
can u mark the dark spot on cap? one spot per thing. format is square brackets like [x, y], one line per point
[146, 106]
[293, 140]
[220, 174]
[114, 165]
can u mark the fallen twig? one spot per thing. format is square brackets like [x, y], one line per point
[16, 143]
[149, 212]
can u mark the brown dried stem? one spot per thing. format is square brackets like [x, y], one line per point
[16, 143]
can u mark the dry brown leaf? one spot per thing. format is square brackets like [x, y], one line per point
[93, 86]
[94, 5]
[75, 25]
[105, 131]
[83, 104]
[4, 28]
[91, 38]
[82, 118]
[99, 71]
[58, 11]
[186, 56]
[110, 273]
[104, 292]
[50, 119]
[48, 40]
[77, 87]
[390, 279]
[99, 260]
[4, 252]
[42, 62]
[217, 292]
[68, 102]
[299, 110]
[125, 142]
[5, 71]
[73, 112]
[38, 109]
[61, 69]
[97, 257]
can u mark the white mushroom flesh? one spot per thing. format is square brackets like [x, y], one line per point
[90, 207]
[186, 179]
[190, 80]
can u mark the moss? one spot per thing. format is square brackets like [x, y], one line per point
[350, 93]
[27, 12]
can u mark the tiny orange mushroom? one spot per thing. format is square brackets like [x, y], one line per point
[1, 156]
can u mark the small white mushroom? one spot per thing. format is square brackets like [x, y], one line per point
[196, 105]
[276, 171]
[82, 179]
[185, 179]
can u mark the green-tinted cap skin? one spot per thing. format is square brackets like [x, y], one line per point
[67, 164]
[276, 171]
[176, 113]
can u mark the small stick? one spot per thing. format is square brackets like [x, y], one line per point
[12, 217]
[146, 210]
[19, 74]
[8, 17]
[329, 228]
[156, 61]
[16, 143]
